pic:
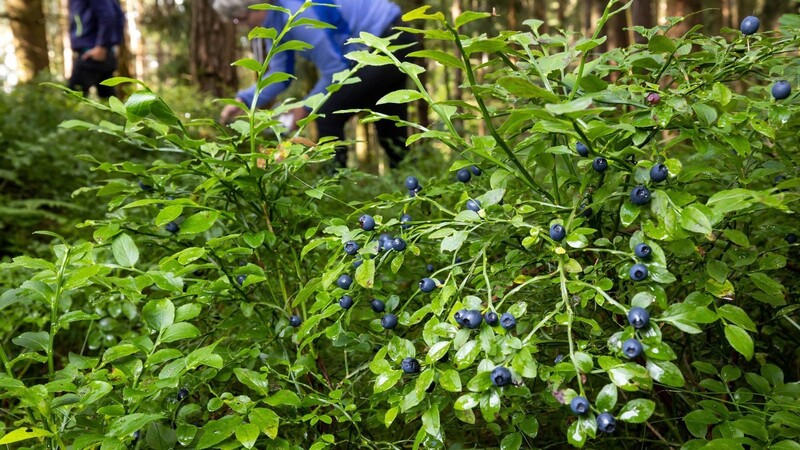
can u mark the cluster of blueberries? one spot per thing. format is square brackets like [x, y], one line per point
[639, 318]
[781, 89]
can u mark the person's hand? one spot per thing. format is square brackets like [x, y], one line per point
[229, 112]
[298, 114]
[96, 53]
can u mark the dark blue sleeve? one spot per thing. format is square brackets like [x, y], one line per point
[107, 22]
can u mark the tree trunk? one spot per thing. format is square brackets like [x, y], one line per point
[681, 8]
[212, 50]
[642, 15]
[125, 64]
[30, 37]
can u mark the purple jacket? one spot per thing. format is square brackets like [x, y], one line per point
[95, 23]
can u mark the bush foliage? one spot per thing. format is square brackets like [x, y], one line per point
[207, 310]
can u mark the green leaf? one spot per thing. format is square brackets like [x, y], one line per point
[583, 361]
[365, 274]
[204, 356]
[450, 380]
[740, 340]
[512, 441]
[693, 219]
[443, 58]
[706, 114]
[430, 421]
[607, 398]
[628, 213]
[420, 14]
[159, 314]
[467, 17]
[400, 96]
[737, 316]
[179, 331]
[266, 420]
[661, 44]
[119, 351]
[387, 380]
[145, 103]
[125, 251]
[37, 341]
[199, 222]
[252, 379]
[480, 382]
[168, 214]
[21, 434]
[581, 430]
[437, 351]
[637, 411]
[123, 427]
[665, 373]
[216, 431]
[765, 283]
[454, 242]
[569, 107]
[247, 434]
[466, 354]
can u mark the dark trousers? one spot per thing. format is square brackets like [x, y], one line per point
[375, 83]
[88, 72]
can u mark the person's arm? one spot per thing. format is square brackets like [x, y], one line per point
[281, 62]
[106, 16]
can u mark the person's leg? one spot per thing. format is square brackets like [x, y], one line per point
[391, 136]
[105, 71]
[81, 78]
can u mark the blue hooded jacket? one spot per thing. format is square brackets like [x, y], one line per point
[95, 23]
[351, 17]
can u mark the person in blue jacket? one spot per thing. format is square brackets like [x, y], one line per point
[350, 18]
[95, 28]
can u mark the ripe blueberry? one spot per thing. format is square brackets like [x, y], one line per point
[475, 170]
[404, 220]
[182, 393]
[491, 318]
[638, 272]
[410, 365]
[632, 348]
[508, 321]
[459, 315]
[351, 247]
[600, 164]
[579, 405]
[429, 268]
[606, 423]
[781, 89]
[501, 376]
[384, 242]
[346, 302]
[473, 205]
[557, 232]
[582, 149]
[642, 251]
[145, 187]
[377, 305]
[653, 98]
[411, 183]
[389, 321]
[640, 195]
[398, 244]
[638, 317]
[240, 279]
[172, 227]
[366, 222]
[791, 238]
[136, 435]
[471, 319]
[749, 25]
[659, 172]
[463, 175]
[344, 281]
[427, 285]
[357, 263]
[295, 321]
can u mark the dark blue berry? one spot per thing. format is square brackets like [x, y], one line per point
[240, 279]
[346, 302]
[404, 221]
[389, 321]
[508, 321]
[473, 205]
[172, 227]
[557, 232]
[659, 173]
[501, 376]
[643, 251]
[182, 393]
[430, 268]
[749, 25]
[491, 318]
[791, 238]
[411, 183]
[638, 317]
[606, 423]
[427, 285]
[475, 170]
[600, 164]
[471, 319]
[582, 149]
[377, 305]
[410, 365]
[295, 321]
[366, 222]
[781, 90]
[351, 247]
[579, 405]
[398, 244]
[632, 348]
[463, 175]
[638, 272]
[640, 195]
[344, 281]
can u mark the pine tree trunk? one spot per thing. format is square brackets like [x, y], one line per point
[642, 15]
[30, 37]
[212, 50]
[682, 8]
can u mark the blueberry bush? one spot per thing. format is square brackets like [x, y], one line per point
[610, 264]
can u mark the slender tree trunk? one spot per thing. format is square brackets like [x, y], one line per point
[642, 15]
[682, 8]
[540, 13]
[212, 50]
[30, 37]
